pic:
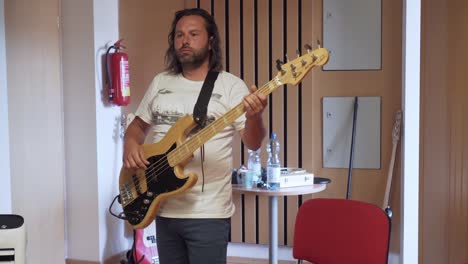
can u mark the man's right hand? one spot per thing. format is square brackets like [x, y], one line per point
[134, 156]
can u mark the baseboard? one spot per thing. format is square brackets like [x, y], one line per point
[111, 260]
[393, 259]
[76, 261]
[230, 260]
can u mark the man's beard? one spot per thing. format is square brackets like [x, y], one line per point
[195, 59]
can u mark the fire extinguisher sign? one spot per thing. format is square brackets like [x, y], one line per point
[124, 78]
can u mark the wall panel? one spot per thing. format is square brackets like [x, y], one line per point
[277, 97]
[457, 94]
[444, 178]
[144, 25]
[233, 65]
[292, 114]
[248, 75]
[263, 76]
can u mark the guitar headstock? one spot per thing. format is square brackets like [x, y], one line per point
[397, 127]
[295, 70]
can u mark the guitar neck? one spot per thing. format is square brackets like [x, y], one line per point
[185, 150]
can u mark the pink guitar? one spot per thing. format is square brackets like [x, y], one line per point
[145, 250]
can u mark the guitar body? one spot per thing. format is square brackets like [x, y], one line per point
[143, 191]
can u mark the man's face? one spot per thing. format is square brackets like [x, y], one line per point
[191, 41]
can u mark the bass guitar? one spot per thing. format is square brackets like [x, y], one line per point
[141, 192]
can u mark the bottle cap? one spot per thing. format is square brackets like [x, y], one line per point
[273, 135]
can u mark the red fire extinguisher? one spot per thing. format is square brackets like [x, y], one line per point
[118, 75]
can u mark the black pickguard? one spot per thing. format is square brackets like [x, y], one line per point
[160, 178]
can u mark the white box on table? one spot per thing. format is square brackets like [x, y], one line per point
[293, 177]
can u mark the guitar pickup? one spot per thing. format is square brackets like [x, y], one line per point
[137, 184]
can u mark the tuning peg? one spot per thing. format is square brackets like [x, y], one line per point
[298, 53]
[279, 63]
[318, 44]
[308, 48]
[293, 69]
[286, 57]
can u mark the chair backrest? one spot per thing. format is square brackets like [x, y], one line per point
[334, 231]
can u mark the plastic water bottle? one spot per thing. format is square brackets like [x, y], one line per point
[273, 163]
[254, 165]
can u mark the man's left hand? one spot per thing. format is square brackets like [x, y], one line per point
[254, 103]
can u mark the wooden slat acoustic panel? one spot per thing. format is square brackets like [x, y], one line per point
[221, 20]
[233, 65]
[191, 3]
[248, 75]
[292, 113]
[277, 97]
[206, 4]
[309, 34]
[263, 76]
[256, 33]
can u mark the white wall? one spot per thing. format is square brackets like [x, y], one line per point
[80, 130]
[108, 131]
[410, 140]
[35, 123]
[5, 182]
[92, 132]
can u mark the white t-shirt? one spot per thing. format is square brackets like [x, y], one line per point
[170, 97]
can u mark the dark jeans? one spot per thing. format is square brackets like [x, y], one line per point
[192, 241]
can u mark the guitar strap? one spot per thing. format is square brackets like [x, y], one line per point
[200, 109]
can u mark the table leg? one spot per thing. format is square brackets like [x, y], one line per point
[273, 247]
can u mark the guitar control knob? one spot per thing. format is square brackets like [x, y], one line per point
[146, 201]
[150, 194]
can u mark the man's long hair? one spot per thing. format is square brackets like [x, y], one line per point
[173, 65]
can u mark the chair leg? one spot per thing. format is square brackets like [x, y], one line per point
[299, 261]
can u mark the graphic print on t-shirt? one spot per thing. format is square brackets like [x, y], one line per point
[169, 107]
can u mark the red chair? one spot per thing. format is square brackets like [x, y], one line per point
[336, 231]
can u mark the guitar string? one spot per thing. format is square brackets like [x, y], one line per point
[157, 166]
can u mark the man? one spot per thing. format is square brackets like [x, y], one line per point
[193, 227]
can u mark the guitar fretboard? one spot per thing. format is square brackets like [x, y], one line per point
[185, 150]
